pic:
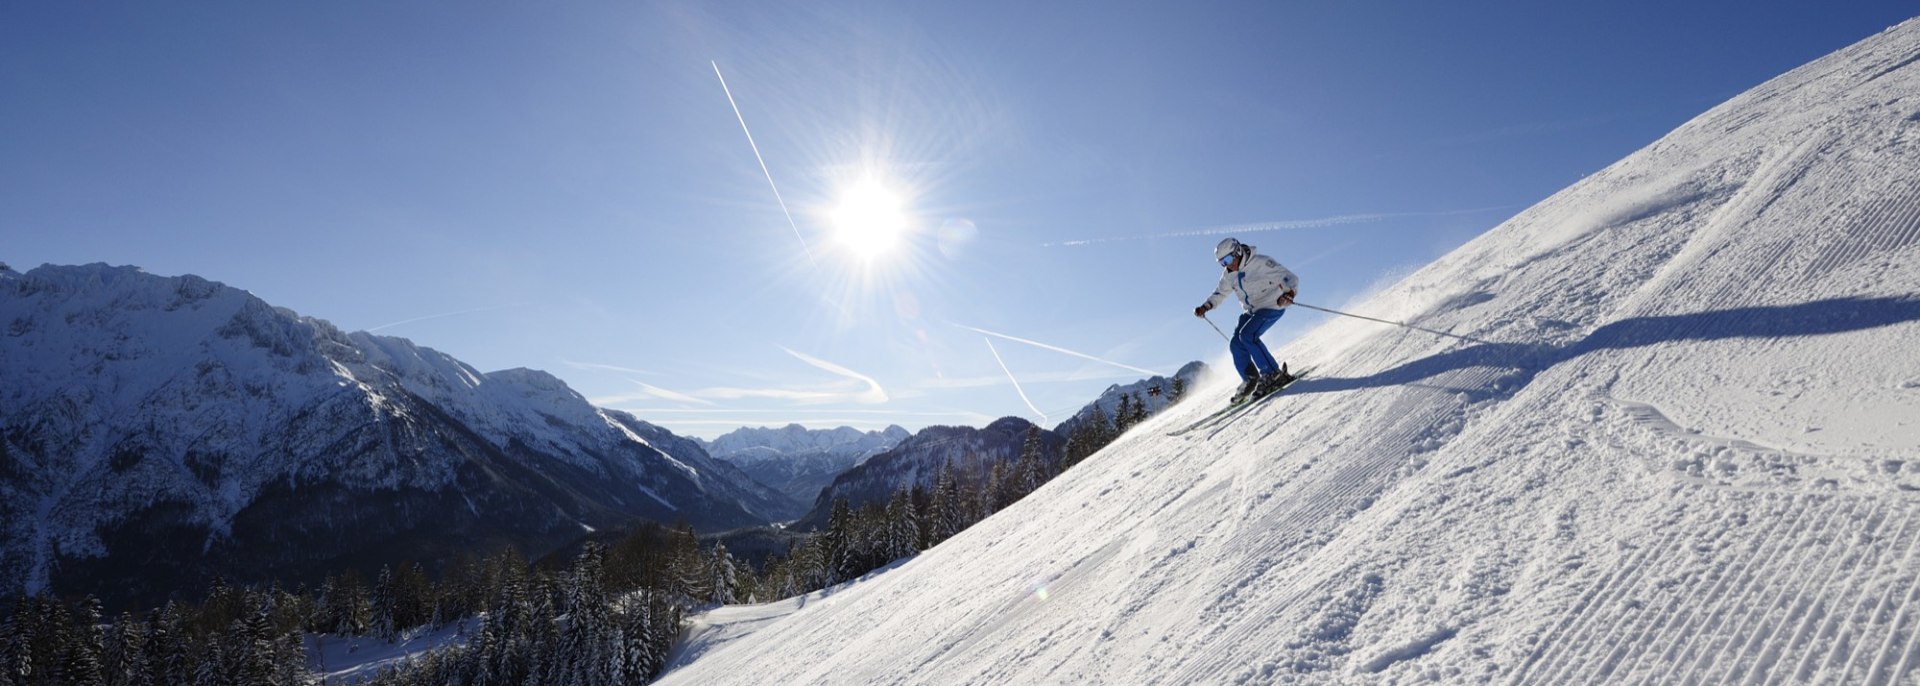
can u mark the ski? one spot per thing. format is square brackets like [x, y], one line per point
[1227, 413]
[1204, 420]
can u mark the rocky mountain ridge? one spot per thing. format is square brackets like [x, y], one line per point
[157, 431]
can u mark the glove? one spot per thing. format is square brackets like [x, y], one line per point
[1201, 311]
[1287, 298]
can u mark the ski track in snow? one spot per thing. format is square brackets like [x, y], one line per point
[1692, 456]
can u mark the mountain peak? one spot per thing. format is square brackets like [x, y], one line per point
[143, 410]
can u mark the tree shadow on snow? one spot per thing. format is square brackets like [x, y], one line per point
[1526, 360]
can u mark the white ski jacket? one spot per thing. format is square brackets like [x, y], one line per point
[1259, 284]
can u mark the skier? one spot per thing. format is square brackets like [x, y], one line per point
[1265, 289]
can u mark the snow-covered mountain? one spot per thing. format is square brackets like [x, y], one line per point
[1686, 449]
[797, 461]
[1156, 392]
[750, 444]
[156, 431]
[917, 461]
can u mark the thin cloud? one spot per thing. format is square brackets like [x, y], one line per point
[648, 392]
[947, 383]
[872, 394]
[1057, 349]
[665, 394]
[605, 367]
[442, 315]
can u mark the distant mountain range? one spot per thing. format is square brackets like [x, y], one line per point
[158, 431]
[1156, 392]
[917, 461]
[797, 461]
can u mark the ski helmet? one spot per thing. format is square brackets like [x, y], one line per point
[1227, 247]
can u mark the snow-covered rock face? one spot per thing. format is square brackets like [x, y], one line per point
[180, 420]
[793, 440]
[797, 461]
[917, 461]
[1686, 451]
[1155, 392]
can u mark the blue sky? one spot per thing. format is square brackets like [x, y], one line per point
[565, 186]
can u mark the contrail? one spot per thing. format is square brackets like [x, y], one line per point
[608, 367]
[1057, 349]
[873, 394]
[665, 394]
[1016, 382]
[1323, 222]
[763, 164]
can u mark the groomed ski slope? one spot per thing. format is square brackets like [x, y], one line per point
[1688, 452]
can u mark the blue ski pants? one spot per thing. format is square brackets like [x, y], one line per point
[1246, 346]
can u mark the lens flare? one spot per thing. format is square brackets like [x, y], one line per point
[955, 235]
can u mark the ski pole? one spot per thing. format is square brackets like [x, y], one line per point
[1383, 321]
[1216, 327]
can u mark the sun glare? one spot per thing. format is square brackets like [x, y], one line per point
[869, 219]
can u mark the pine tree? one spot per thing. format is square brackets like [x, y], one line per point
[6, 659]
[1030, 469]
[481, 650]
[413, 597]
[808, 566]
[542, 637]
[1102, 428]
[686, 565]
[948, 517]
[638, 655]
[382, 604]
[126, 659]
[903, 527]
[291, 658]
[1179, 390]
[81, 665]
[1088, 437]
[210, 666]
[726, 576]
[837, 544]
[347, 609]
[170, 648]
[257, 650]
[873, 537]
[581, 659]
[16, 644]
[995, 493]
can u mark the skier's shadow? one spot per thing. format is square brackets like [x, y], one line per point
[1526, 360]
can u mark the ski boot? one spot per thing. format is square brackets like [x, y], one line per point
[1273, 382]
[1246, 390]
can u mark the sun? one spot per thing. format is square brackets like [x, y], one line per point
[870, 219]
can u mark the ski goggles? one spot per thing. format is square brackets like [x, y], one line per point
[1224, 261]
